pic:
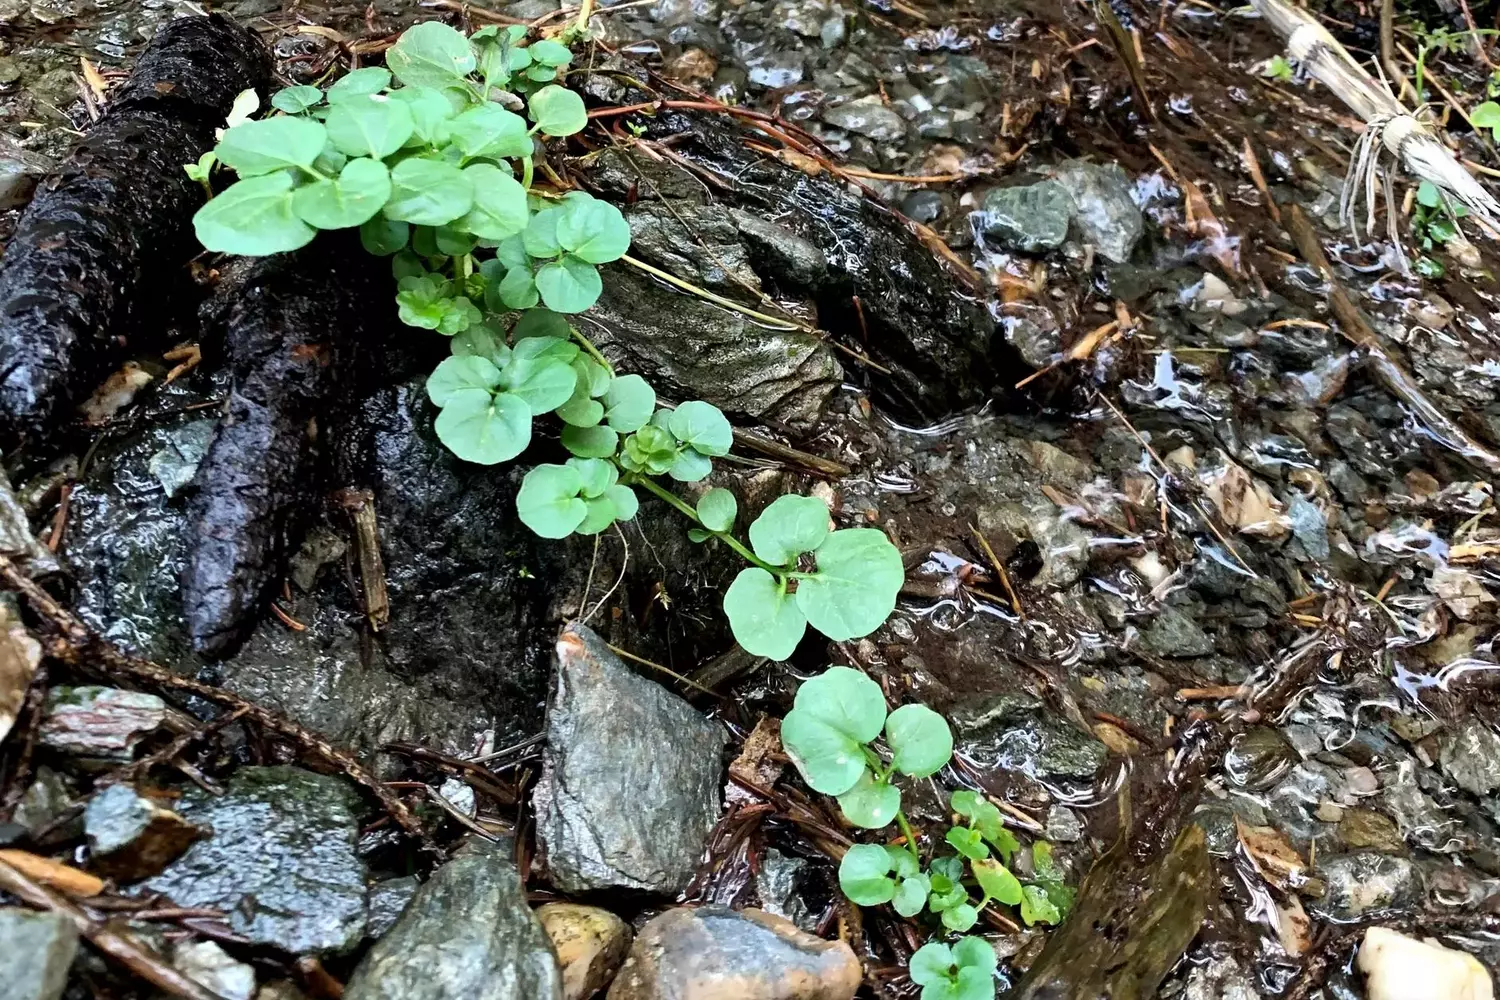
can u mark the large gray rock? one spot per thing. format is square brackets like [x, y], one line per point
[280, 862]
[466, 935]
[1032, 218]
[1106, 213]
[630, 777]
[35, 952]
[1471, 757]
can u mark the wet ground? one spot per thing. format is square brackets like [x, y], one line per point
[1208, 556]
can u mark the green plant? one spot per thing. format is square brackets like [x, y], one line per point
[964, 971]
[426, 158]
[1278, 69]
[1434, 222]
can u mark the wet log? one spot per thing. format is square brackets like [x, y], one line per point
[298, 328]
[96, 254]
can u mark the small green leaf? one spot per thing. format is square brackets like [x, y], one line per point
[540, 348]
[590, 442]
[295, 100]
[428, 193]
[920, 740]
[253, 217]
[629, 403]
[975, 953]
[460, 373]
[996, 881]
[625, 501]
[863, 875]
[1036, 907]
[451, 241]
[1486, 115]
[557, 111]
[946, 898]
[594, 231]
[353, 199]
[1000, 838]
[965, 802]
[359, 83]
[430, 54]
[383, 237]
[974, 984]
[717, 509]
[482, 342]
[790, 526]
[517, 290]
[833, 716]
[548, 501]
[961, 917]
[431, 113]
[550, 53]
[698, 535]
[931, 964]
[766, 622]
[601, 514]
[488, 131]
[581, 411]
[854, 590]
[1427, 192]
[260, 147]
[499, 203]
[544, 383]
[569, 285]
[911, 895]
[483, 429]
[870, 804]
[690, 467]
[703, 426]
[902, 861]
[540, 237]
[542, 323]
[946, 872]
[369, 125]
[967, 842]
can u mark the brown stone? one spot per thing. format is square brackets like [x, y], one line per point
[590, 943]
[714, 953]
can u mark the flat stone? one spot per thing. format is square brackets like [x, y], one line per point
[714, 953]
[280, 862]
[388, 900]
[1032, 218]
[1471, 757]
[36, 950]
[207, 964]
[1173, 634]
[99, 721]
[1366, 828]
[867, 117]
[1365, 882]
[590, 943]
[630, 776]
[466, 933]
[1106, 213]
[132, 837]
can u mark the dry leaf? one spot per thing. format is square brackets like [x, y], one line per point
[117, 392]
[59, 876]
[1293, 926]
[1275, 858]
[1245, 504]
[754, 763]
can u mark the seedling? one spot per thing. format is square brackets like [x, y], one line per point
[866, 876]
[964, 971]
[1278, 69]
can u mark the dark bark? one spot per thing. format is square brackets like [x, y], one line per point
[97, 253]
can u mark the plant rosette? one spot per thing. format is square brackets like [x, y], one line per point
[963, 971]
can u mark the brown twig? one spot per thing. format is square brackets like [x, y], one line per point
[989, 553]
[77, 646]
[786, 453]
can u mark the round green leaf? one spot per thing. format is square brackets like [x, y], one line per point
[569, 285]
[431, 112]
[590, 442]
[862, 875]
[451, 241]
[788, 527]
[833, 716]
[548, 501]
[260, 147]
[353, 199]
[542, 323]
[629, 403]
[459, 373]
[594, 231]
[488, 131]
[845, 699]
[549, 53]
[966, 802]
[1037, 906]
[517, 290]
[1486, 115]
[911, 895]
[540, 237]
[975, 953]
[295, 100]
[544, 383]
[919, 739]
[869, 803]
[960, 917]
[430, 54]
[717, 509]
[557, 111]
[624, 499]
[967, 842]
[383, 237]
[902, 861]
[600, 516]
[974, 984]
[703, 426]
[499, 203]
[483, 429]
[359, 83]
[996, 881]
[369, 125]
[766, 622]
[596, 475]
[690, 467]
[581, 411]
[854, 590]
[931, 964]
[555, 348]
[428, 193]
[253, 217]
[481, 341]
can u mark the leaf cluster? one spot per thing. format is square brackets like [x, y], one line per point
[963, 971]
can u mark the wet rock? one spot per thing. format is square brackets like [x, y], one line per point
[1033, 331]
[132, 837]
[207, 964]
[99, 721]
[1011, 734]
[20, 169]
[590, 944]
[1063, 825]
[867, 117]
[714, 953]
[1258, 758]
[1471, 757]
[1063, 544]
[1219, 978]
[1172, 633]
[36, 950]
[467, 933]
[1365, 883]
[16, 539]
[630, 777]
[922, 206]
[776, 884]
[1032, 218]
[1398, 967]
[177, 461]
[45, 800]
[388, 900]
[1366, 828]
[1106, 214]
[280, 862]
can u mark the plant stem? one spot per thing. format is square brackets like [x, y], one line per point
[770, 322]
[911, 838]
[593, 352]
[585, 11]
[466, 265]
[527, 172]
[723, 536]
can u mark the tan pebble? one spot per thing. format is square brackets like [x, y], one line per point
[590, 943]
